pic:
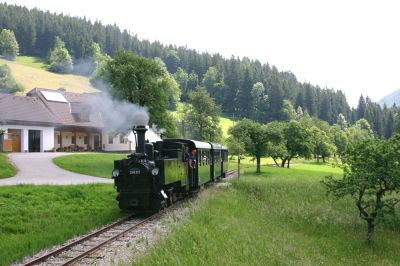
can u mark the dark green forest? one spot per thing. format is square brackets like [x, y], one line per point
[243, 87]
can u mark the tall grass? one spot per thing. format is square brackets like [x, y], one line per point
[100, 164]
[36, 217]
[281, 217]
[7, 169]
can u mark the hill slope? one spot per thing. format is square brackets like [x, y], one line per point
[390, 99]
[31, 72]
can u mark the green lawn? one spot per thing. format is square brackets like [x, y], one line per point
[31, 72]
[35, 62]
[36, 217]
[225, 124]
[7, 169]
[281, 217]
[94, 164]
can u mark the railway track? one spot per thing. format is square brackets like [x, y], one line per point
[231, 173]
[77, 250]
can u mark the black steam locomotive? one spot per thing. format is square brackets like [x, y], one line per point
[158, 174]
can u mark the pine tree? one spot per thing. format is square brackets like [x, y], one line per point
[389, 125]
[361, 108]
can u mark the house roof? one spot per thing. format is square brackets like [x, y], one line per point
[25, 110]
[77, 111]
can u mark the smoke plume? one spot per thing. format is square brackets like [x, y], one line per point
[118, 116]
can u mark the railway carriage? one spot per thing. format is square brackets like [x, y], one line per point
[157, 174]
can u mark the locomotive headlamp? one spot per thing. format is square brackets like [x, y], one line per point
[115, 173]
[155, 171]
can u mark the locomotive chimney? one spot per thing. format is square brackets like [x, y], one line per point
[140, 131]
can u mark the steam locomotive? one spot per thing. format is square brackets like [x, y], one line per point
[158, 174]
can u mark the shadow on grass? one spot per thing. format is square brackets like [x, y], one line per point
[42, 61]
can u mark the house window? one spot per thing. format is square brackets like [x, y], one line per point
[110, 139]
[121, 139]
[73, 140]
[85, 140]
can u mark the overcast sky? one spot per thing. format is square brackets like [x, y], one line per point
[349, 45]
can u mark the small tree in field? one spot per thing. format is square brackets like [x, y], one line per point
[8, 44]
[371, 178]
[253, 136]
[297, 142]
[60, 60]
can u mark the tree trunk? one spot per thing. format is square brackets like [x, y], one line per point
[283, 162]
[323, 159]
[239, 166]
[371, 228]
[288, 163]
[258, 165]
[276, 163]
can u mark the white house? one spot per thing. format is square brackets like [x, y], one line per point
[57, 120]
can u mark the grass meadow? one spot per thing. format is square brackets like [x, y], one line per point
[281, 217]
[36, 217]
[7, 169]
[31, 72]
[94, 164]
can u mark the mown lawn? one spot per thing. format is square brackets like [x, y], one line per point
[94, 164]
[7, 169]
[36, 217]
[281, 217]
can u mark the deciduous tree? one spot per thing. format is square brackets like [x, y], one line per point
[202, 115]
[254, 137]
[371, 177]
[297, 142]
[60, 60]
[141, 81]
[8, 44]
[7, 82]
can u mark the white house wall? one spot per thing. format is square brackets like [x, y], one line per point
[46, 136]
[116, 145]
[129, 144]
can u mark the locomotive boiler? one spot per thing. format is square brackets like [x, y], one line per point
[157, 174]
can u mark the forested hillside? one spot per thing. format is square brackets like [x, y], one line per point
[241, 86]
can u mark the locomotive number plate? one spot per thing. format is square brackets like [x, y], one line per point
[134, 171]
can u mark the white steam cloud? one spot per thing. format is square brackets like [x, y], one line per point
[117, 115]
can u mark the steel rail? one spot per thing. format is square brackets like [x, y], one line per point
[88, 252]
[78, 241]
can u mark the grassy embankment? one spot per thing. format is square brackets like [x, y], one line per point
[7, 169]
[281, 217]
[100, 164]
[31, 72]
[36, 217]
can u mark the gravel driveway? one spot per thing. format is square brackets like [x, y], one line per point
[39, 169]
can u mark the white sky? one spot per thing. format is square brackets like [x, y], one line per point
[349, 45]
